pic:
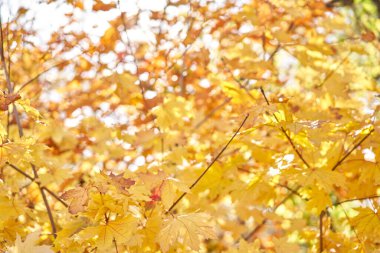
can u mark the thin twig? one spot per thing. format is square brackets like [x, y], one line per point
[356, 199]
[285, 132]
[209, 166]
[241, 85]
[8, 78]
[255, 230]
[352, 150]
[115, 243]
[210, 114]
[55, 196]
[321, 231]
[39, 74]
[19, 171]
[37, 182]
[133, 54]
[353, 229]
[3, 62]
[291, 190]
[50, 214]
[334, 70]
[274, 52]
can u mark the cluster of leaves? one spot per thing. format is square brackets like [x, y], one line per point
[212, 126]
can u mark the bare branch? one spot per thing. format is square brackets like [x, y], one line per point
[209, 166]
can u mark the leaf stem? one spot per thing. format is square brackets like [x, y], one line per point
[209, 166]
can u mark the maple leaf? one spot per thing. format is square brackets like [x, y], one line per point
[31, 111]
[322, 177]
[10, 208]
[367, 223]
[169, 189]
[185, 228]
[325, 179]
[172, 112]
[318, 199]
[122, 230]
[79, 199]
[29, 245]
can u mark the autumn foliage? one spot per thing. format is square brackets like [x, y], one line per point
[190, 126]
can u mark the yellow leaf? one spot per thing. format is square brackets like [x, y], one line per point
[325, 179]
[318, 200]
[10, 208]
[367, 223]
[29, 245]
[31, 111]
[120, 230]
[238, 95]
[126, 86]
[187, 229]
[174, 111]
[169, 189]
[64, 235]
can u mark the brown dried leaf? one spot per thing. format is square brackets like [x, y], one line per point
[8, 99]
[79, 199]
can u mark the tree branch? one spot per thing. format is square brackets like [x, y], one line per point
[33, 180]
[8, 79]
[209, 166]
[50, 214]
[20, 129]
